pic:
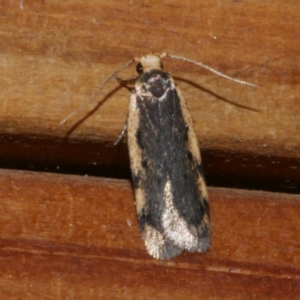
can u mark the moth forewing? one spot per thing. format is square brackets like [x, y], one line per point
[203, 229]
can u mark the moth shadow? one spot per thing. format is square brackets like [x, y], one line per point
[206, 90]
[91, 112]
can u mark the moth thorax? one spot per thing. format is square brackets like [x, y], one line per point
[150, 61]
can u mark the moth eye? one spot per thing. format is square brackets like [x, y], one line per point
[139, 68]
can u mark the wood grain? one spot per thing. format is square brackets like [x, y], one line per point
[70, 237]
[55, 54]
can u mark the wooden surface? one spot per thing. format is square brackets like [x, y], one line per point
[82, 242]
[54, 55]
[68, 237]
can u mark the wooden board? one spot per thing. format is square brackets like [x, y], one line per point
[83, 242]
[68, 237]
[55, 54]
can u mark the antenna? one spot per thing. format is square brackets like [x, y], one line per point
[207, 68]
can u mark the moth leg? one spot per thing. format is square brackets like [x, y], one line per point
[121, 134]
[125, 83]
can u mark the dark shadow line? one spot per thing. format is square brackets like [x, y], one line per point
[197, 86]
[91, 112]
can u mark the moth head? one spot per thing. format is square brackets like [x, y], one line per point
[148, 62]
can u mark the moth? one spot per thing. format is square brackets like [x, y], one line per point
[170, 191]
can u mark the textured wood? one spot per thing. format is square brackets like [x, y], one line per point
[54, 55]
[70, 237]
[65, 237]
